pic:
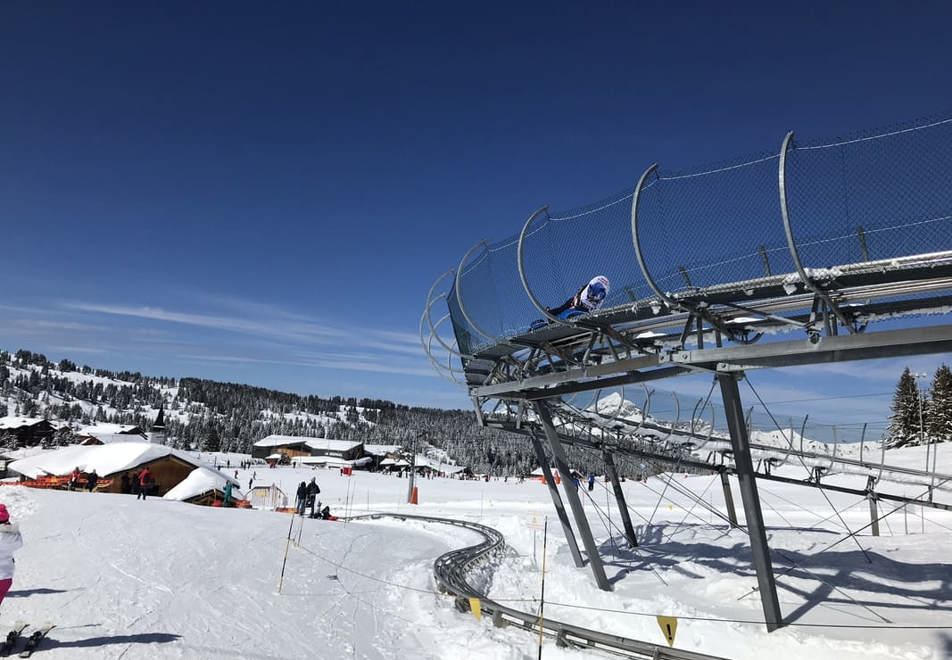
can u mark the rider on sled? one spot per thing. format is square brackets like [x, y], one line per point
[588, 299]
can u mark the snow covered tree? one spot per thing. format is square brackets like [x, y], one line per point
[904, 427]
[939, 424]
[212, 440]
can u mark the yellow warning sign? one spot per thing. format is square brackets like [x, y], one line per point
[669, 627]
[475, 607]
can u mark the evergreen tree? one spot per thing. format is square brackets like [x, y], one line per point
[212, 440]
[904, 426]
[939, 424]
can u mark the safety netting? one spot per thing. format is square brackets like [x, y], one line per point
[880, 198]
[873, 197]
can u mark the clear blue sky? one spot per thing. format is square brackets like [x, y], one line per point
[264, 192]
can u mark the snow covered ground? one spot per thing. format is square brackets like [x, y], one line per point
[162, 579]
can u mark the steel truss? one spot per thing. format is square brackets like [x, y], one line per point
[725, 330]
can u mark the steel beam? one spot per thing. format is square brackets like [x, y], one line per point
[729, 498]
[557, 500]
[571, 493]
[842, 348]
[620, 499]
[751, 498]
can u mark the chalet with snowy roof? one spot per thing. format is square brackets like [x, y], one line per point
[112, 429]
[290, 447]
[98, 438]
[27, 431]
[115, 464]
[203, 486]
[380, 453]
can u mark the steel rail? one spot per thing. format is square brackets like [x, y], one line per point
[451, 571]
[758, 447]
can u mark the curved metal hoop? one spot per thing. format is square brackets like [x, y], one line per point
[428, 350]
[459, 294]
[430, 301]
[522, 270]
[449, 366]
[791, 241]
[636, 240]
[785, 213]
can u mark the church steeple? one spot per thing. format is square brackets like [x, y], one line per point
[157, 434]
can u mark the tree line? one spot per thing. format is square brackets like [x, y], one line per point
[921, 417]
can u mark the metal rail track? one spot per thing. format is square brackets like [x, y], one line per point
[452, 572]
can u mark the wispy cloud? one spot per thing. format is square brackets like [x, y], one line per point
[282, 325]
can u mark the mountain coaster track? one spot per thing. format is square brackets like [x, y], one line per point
[451, 571]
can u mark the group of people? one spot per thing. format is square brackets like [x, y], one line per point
[76, 478]
[307, 498]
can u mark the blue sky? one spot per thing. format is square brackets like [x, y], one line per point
[264, 193]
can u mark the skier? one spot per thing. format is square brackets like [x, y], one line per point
[10, 542]
[591, 482]
[312, 490]
[588, 299]
[145, 483]
[92, 480]
[301, 498]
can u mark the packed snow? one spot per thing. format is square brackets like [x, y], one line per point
[165, 579]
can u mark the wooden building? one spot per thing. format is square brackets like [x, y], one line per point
[28, 432]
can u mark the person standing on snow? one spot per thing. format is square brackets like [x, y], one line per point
[92, 480]
[145, 483]
[10, 542]
[229, 500]
[301, 498]
[591, 481]
[74, 478]
[312, 490]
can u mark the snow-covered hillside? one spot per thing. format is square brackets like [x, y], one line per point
[162, 579]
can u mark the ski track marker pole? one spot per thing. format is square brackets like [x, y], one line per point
[545, 539]
[287, 547]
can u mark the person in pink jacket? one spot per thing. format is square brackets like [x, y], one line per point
[10, 542]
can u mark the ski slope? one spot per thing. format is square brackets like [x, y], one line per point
[163, 579]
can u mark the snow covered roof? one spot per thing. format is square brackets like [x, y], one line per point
[382, 450]
[275, 457]
[199, 481]
[15, 422]
[107, 438]
[99, 429]
[105, 459]
[330, 461]
[312, 443]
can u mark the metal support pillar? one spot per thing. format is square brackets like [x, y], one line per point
[557, 501]
[729, 498]
[748, 491]
[620, 499]
[873, 513]
[571, 492]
